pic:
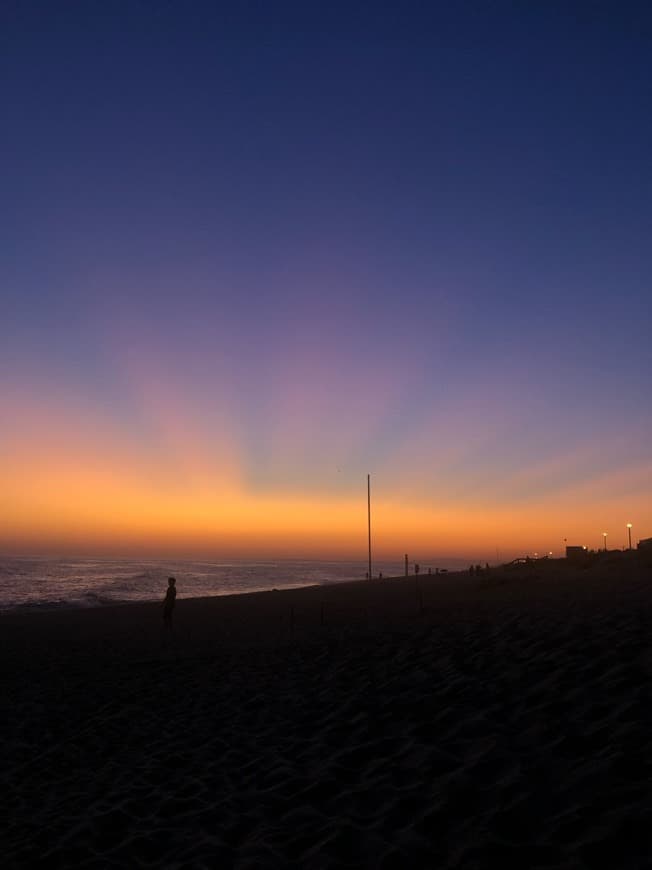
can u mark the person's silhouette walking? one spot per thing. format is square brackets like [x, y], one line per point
[168, 603]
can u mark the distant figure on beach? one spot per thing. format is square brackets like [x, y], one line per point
[471, 570]
[416, 567]
[168, 603]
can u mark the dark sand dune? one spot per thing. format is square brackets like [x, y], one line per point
[500, 721]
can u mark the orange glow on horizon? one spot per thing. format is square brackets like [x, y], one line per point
[90, 507]
[76, 479]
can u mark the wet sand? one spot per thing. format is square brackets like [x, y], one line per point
[497, 721]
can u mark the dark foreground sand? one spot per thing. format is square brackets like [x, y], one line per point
[502, 721]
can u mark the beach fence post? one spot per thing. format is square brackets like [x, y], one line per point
[369, 520]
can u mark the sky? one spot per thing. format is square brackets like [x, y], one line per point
[252, 252]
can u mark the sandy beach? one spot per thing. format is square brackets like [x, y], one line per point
[494, 721]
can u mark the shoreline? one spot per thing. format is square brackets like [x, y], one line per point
[556, 570]
[37, 584]
[65, 607]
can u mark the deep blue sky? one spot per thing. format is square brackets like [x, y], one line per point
[446, 207]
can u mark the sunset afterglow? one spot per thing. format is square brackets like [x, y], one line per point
[237, 279]
[183, 479]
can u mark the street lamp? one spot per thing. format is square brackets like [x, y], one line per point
[604, 535]
[629, 532]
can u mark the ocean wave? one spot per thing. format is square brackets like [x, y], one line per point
[96, 599]
[86, 601]
[41, 604]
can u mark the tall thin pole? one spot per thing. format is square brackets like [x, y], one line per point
[369, 518]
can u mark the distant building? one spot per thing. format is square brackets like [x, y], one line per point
[576, 553]
[644, 544]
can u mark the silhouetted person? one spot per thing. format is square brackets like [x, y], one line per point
[168, 603]
[471, 570]
[477, 569]
[416, 567]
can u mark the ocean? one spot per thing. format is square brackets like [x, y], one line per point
[39, 582]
